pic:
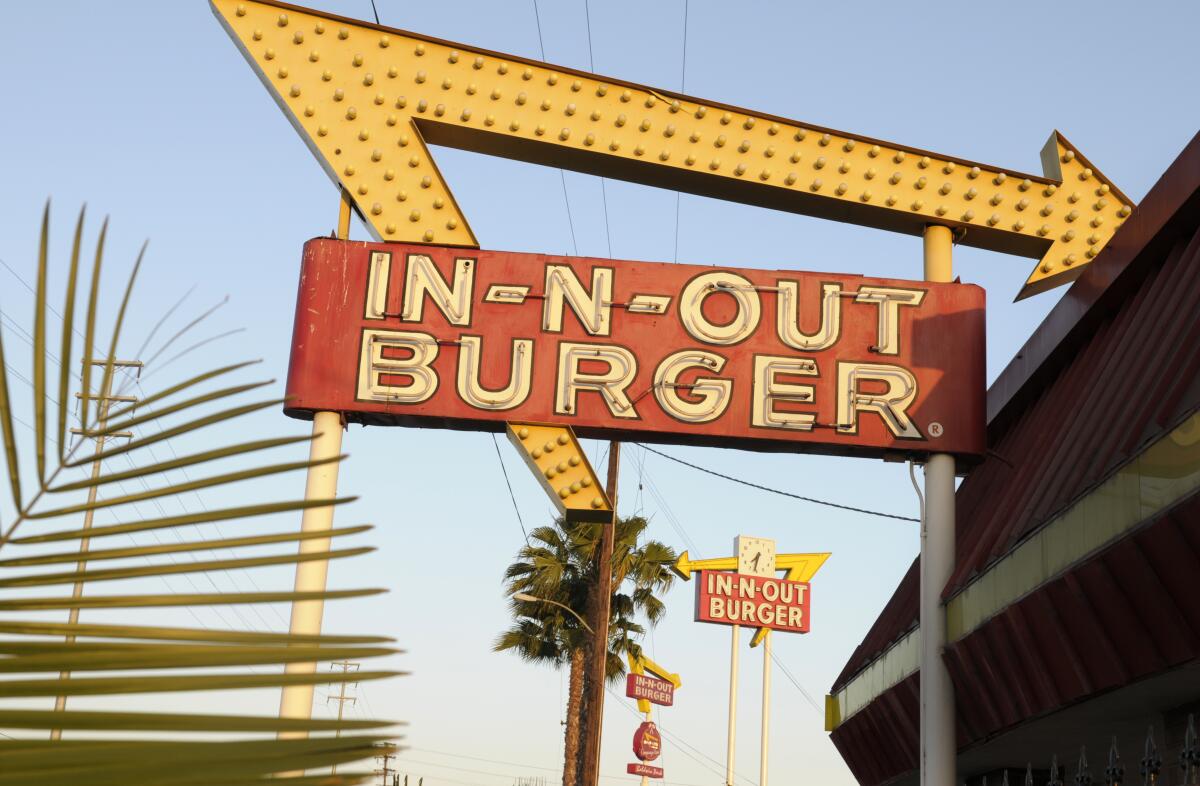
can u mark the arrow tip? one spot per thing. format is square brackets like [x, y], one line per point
[1081, 210]
[682, 567]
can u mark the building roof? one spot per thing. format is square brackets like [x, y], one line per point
[1102, 376]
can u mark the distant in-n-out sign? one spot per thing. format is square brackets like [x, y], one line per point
[652, 689]
[754, 601]
[771, 360]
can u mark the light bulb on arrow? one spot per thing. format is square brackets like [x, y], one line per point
[367, 99]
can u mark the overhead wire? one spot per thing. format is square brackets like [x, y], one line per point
[508, 483]
[780, 492]
[682, 89]
[136, 509]
[562, 175]
[526, 766]
[587, 15]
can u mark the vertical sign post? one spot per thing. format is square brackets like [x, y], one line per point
[295, 701]
[766, 710]
[731, 742]
[938, 744]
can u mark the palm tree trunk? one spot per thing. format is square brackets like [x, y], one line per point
[574, 712]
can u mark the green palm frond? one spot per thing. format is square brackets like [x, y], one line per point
[52, 488]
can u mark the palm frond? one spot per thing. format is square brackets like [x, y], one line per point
[47, 659]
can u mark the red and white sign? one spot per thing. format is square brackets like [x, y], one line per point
[753, 601]
[647, 742]
[652, 689]
[645, 770]
[410, 335]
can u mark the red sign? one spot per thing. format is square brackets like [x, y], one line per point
[408, 335]
[647, 744]
[652, 689]
[753, 601]
[644, 769]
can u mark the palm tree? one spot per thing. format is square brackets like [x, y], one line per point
[555, 567]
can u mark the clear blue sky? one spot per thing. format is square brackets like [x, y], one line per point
[146, 111]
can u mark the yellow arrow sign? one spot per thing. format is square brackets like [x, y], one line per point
[557, 460]
[368, 98]
[641, 665]
[799, 567]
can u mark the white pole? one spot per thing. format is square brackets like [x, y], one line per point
[938, 730]
[296, 700]
[733, 677]
[646, 778]
[766, 709]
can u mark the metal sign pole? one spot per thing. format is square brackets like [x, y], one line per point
[766, 709]
[938, 745]
[296, 701]
[733, 680]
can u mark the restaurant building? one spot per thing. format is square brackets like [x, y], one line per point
[1073, 613]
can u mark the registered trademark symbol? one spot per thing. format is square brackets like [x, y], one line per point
[935, 429]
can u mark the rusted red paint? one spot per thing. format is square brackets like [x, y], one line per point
[940, 341]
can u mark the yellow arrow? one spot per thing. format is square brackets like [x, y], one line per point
[368, 98]
[684, 566]
[799, 567]
[557, 460]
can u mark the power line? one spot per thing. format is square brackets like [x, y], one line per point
[28, 340]
[682, 89]
[587, 15]
[780, 492]
[562, 176]
[808, 696]
[510, 764]
[504, 469]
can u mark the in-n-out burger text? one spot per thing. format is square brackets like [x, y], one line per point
[652, 689]
[443, 333]
[753, 601]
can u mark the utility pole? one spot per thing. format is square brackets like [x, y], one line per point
[601, 602]
[389, 753]
[104, 403]
[346, 666]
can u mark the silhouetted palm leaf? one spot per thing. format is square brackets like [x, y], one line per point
[43, 658]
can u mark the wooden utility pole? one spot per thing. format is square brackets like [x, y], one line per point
[601, 601]
[389, 753]
[341, 698]
[104, 403]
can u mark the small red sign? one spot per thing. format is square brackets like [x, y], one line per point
[652, 689]
[647, 743]
[645, 770]
[754, 601]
